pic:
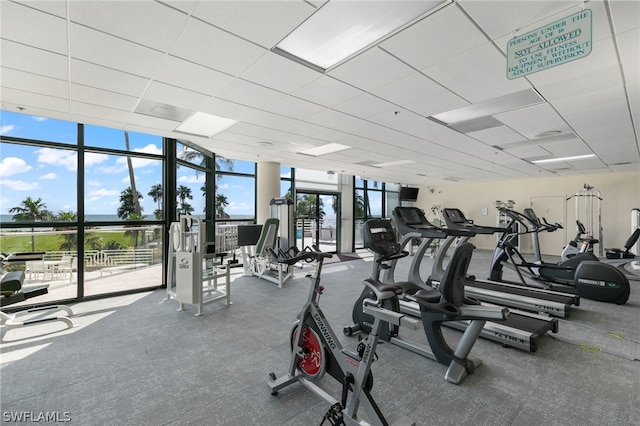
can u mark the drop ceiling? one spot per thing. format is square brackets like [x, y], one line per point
[113, 63]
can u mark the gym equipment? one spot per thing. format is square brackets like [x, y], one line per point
[521, 330]
[13, 290]
[582, 274]
[191, 265]
[436, 307]
[257, 257]
[538, 300]
[589, 205]
[282, 209]
[581, 243]
[316, 350]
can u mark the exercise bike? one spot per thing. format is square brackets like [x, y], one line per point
[581, 274]
[315, 350]
[436, 306]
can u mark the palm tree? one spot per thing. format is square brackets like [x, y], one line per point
[220, 203]
[128, 205]
[31, 210]
[184, 192]
[69, 240]
[157, 193]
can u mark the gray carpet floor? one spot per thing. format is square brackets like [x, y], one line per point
[136, 360]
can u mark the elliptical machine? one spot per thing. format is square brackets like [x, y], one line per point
[582, 274]
[436, 306]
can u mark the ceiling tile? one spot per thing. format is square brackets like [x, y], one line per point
[21, 80]
[211, 47]
[282, 74]
[91, 95]
[515, 15]
[476, 75]
[33, 28]
[100, 77]
[327, 91]
[180, 73]
[436, 48]
[147, 23]
[33, 60]
[112, 52]
[420, 94]
[171, 95]
[371, 69]
[264, 23]
[31, 100]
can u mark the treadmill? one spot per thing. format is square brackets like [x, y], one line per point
[521, 330]
[534, 299]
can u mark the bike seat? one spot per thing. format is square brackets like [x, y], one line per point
[428, 295]
[381, 290]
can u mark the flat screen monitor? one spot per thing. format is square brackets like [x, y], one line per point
[248, 235]
[408, 193]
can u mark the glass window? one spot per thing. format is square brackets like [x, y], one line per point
[191, 191]
[235, 197]
[374, 201]
[121, 258]
[33, 127]
[37, 182]
[103, 137]
[391, 202]
[108, 187]
[190, 155]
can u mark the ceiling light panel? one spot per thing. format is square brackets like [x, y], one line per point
[203, 124]
[324, 149]
[571, 158]
[490, 107]
[339, 29]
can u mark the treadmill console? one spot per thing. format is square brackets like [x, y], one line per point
[380, 237]
[455, 219]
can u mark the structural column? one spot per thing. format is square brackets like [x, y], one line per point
[267, 188]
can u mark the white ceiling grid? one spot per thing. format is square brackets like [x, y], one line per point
[103, 62]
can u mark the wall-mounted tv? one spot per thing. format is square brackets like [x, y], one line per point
[408, 194]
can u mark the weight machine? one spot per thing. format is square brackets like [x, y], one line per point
[589, 202]
[191, 265]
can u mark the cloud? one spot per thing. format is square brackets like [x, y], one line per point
[91, 158]
[39, 118]
[150, 149]
[192, 179]
[99, 194]
[13, 165]
[58, 157]
[49, 176]
[6, 129]
[19, 185]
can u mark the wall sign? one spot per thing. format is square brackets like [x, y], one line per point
[546, 47]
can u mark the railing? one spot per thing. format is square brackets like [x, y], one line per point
[95, 259]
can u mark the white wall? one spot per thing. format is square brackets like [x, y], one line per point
[620, 193]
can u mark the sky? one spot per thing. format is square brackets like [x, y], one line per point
[50, 173]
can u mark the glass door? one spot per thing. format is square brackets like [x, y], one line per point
[318, 220]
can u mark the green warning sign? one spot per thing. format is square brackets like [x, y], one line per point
[554, 44]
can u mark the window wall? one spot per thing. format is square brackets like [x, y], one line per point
[64, 183]
[372, 199]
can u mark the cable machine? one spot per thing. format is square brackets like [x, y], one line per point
[191, 265]
[589, 212]
[635, 224]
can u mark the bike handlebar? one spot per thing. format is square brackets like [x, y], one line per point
[307, 254]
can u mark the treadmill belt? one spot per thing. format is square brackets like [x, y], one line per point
[520, 291]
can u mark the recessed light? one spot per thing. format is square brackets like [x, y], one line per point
[553, 160]
[324, 149]
[203, 124]
[340, 29]
[547, 133]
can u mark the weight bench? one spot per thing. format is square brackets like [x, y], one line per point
[12, 291]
